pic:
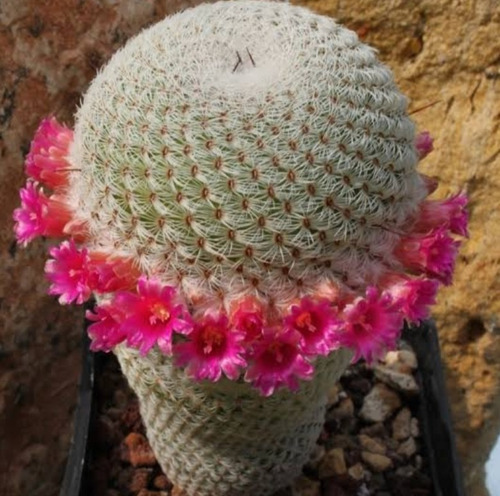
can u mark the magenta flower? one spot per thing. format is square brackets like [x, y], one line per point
[371, 325]
[414, 296]
[277, 361]
[212, 348]
[424, 144]
[112, 273]
[152, 315]
[39, 215]
[318, 325]
[249, 319]
[107, 330]
[70, 274]
[75, 273]
[47, 159]
[450, 213]
[432, 254]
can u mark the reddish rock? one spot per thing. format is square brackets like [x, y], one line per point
[140, 452]
[140, 479]
[161, 482]
[131, 419]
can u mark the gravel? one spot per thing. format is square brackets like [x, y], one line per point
[370, 444]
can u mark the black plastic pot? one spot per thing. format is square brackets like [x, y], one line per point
[434, 410]
[74, 483]
[434, 413]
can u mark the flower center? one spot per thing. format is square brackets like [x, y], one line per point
[304, 322]
[159, 313]
[212, 340]
[279, 355]
[366, 322]
[252, 325]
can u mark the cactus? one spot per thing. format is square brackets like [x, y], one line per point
[260, 177]
[244, 198]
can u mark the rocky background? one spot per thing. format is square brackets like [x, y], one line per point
[443, 52]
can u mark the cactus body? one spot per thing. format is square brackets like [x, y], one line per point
[247, 148]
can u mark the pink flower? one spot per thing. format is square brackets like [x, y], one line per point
[249, 319]
[277, 362]
[107, 330]
[371, 325]
[424, 144]
[152, 315]
[450, 213]
[113, 273]
[432, 254]
[318, 325]
[212, 348]
[77, 229]
[39, 215]
[70, 274]
[414, 297]
[47, 160]
[76, 273]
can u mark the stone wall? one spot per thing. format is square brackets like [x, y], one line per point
[443, 52]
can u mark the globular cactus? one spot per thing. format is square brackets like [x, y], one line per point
[241, 194]
[247, 149]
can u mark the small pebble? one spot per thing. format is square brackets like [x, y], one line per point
[414, 427]
[344, 410]
[342, 441]
[375, 430]
[140, 451]
[380, 403]
[356, 472]
[403, 382]
[401, 425]
[378, 463]
[406, 471]
[161, 482]
[140, 479]
[401, 360]
[332, 464]
[407, 448]
[372, 445]
[363, 491]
